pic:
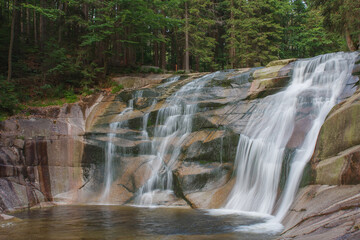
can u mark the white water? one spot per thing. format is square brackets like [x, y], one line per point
[110, 153]
[173, 125]
[169, 81]
[316, 84]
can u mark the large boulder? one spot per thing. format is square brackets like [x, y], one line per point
[336, 159]
[271, 79]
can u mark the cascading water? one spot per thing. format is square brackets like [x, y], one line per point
[169, 81]
[110, 152]
[315, 86]
[173, 125]
[144, 133]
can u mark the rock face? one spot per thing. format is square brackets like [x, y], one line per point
[338, 146]
[40, 156]
[324, 212]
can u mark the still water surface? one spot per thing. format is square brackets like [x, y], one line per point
[125, 222]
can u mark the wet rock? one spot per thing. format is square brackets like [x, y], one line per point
[269, 80]
[195, 177]
[215, 198]
[324, 212]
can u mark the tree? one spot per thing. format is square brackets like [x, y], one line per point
[342, 16]
[304, 34]
[11, 45]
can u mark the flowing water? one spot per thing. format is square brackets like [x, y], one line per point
[173, 125]
[314, 89]
[169, 81]
[110, 152]
[123, 222]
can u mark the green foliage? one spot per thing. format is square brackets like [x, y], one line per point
[9, 102]
[254, 30]
[304, 34]
[69, 47]
[341, 17]
[70, 96]
[52, 14]
[117, 88]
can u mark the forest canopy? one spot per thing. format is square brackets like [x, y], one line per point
[58, 48]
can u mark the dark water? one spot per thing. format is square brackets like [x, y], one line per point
[123, 222]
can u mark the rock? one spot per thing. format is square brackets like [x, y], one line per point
[194, 177]
[268, 72]
[269, 80]
[6, 217]
[264, 87]
[8, 126]
[282, 62]
[339, 134]
[341, 169]
[19, 143]
[139, 81]
[324, 212]
[356, 70]
[215, 198]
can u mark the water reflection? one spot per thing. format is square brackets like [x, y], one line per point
[119, 222]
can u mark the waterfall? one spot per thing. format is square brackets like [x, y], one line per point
[169, 81]
[315, 87]
[110, 152]
[173, 125]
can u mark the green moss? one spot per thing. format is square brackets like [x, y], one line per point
[329, 171]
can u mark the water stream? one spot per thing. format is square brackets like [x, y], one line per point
[173, 125]
[110, 152]
[313, 91]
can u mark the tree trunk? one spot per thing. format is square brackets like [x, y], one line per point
[163, 51]
[42, 26]
[12, 33]
[35, 28]
[232, 36]
[156, 54]
[197, 65]
[28, 22]
[21, 20]
[187, 67]
[349, 41]
[61, 6]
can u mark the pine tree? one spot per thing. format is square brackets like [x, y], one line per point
[342, 16]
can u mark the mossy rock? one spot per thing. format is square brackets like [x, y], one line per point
[339, 132]
[282, 62]
[266, 87]
[267, 73]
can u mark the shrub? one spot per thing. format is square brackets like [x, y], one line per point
[117, 88]
[70, 96]
[9, 102]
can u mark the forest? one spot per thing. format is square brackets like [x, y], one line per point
[59, 49]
